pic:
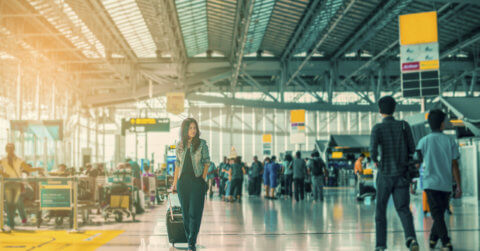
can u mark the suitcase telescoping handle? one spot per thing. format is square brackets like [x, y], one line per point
[170, 204]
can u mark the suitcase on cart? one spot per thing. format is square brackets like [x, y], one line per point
[175, 226]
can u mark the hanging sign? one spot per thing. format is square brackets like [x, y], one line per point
[146, 125]
[419, 54]
[175, 102]
[267, 144]
[297, 123]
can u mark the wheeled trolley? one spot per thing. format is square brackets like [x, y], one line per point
[120, 193]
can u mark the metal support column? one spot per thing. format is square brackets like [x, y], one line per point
[274, 131]
[45, 153]
[243, 132]
[35, 151]
[19, 103]
[472, 84]
[378, 90]
[331, 81]
[37, 97]
[283, 79]
[254, 129]
[97, 120]
[221, 124]
[53, 110]
[338, 123]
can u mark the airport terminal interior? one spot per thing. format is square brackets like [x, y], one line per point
[239, 125]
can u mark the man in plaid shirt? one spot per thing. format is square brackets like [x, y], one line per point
[395, 140]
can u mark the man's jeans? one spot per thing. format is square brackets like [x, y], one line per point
[397, 186]
[288, 184]
[257, 184]
[438, 201]
[317, 187]
[299, 189]
[223, 186]
[12, 194]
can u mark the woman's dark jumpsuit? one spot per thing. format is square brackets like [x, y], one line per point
[191, 192]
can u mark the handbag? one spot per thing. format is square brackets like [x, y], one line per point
[412, 171]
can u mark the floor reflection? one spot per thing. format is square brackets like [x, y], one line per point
[338, 223]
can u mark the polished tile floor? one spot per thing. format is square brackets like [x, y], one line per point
[339, 223]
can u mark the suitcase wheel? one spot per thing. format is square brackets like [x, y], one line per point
[119, 217]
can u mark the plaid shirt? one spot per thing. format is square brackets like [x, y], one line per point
[395, 152]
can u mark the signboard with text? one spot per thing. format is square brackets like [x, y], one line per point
[297, 129]
[267, 144]
[175, 102]
[146, 125]
[56, 195]
[419, 54]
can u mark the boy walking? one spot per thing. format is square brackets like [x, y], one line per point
[440, 155]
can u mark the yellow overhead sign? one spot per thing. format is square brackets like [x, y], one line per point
[429, 65]
[418, 28]
[143, 121]
[337, 155]
[267, 138]
[297, 116]
[175, 102]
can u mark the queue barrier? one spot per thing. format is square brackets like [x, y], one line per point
[54, 193]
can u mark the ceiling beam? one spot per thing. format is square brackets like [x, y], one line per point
[383, 16]
[301, 27]
[239, 49]
[473, 2]
[257, 85]
[293, 106]
[299, 81]
[464, 42]
[348, 5]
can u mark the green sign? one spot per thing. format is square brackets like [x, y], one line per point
[146, 125]
[120, 179]
[56, 195]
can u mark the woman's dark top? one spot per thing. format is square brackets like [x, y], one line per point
[188, 166]
[237, 172]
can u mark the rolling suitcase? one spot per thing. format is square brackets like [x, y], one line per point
[175, 227]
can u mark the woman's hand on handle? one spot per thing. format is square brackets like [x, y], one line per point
[174, 187]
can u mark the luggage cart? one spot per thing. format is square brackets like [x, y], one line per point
[31, 201]
[88, 197]
[57, 196]
[120, 193]
[366, 185]
[150, 189]
[162, 187]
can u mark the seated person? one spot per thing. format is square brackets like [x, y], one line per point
[61, 171]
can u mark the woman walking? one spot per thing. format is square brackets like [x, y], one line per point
[191, 169]
[266, 177]
[237, 172]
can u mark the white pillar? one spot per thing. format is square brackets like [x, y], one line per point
[243, 133]
[220, 131]
[254, 129]
[286, 129]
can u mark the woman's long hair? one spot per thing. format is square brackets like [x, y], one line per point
[184, 134]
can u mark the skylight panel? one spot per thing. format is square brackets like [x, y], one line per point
[320, 22]
[64, 19]
[129, 20]
[262, 11]
[192, 15]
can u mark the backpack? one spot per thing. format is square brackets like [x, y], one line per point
[318, 166]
